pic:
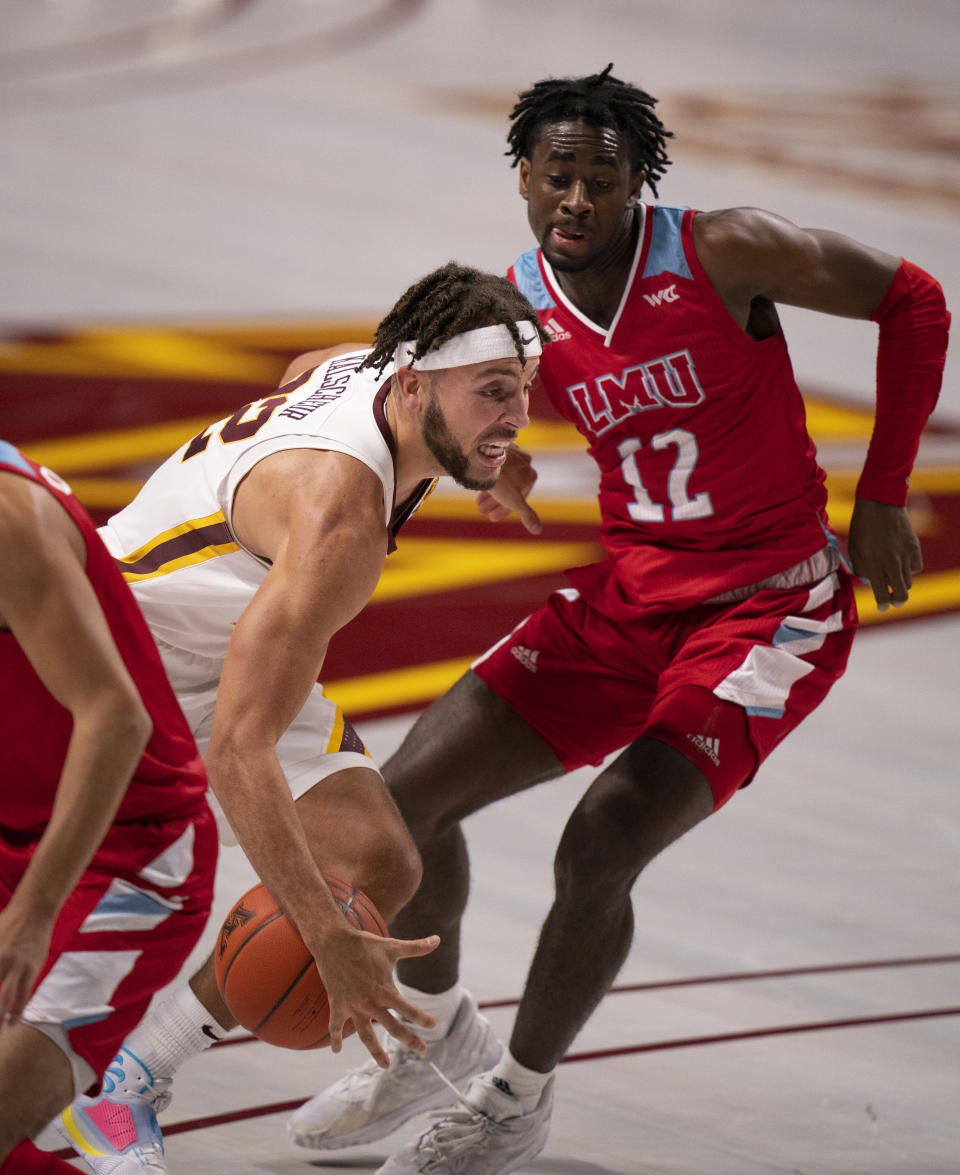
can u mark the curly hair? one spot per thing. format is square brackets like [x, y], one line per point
[601, 100]
[447, 302]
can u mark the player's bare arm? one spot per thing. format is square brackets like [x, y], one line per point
[318, 516]
[311, 359]
[751, 256]
[47, 602]
[749, 253]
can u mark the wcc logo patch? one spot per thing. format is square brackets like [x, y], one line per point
[667, 294]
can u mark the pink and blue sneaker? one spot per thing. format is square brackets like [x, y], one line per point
[116, 1132]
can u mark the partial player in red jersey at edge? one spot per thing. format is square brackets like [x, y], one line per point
[107, 844]
[721, 617]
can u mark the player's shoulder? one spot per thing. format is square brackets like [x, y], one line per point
[527, 275]
[743, 227]
[25, 502]
[304, 365]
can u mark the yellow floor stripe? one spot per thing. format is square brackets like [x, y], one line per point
[422, 565]
[103, 493]
[414, 686]
[418, 685]
[117, 446]
[932, 591]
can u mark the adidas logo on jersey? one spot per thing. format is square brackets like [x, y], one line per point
[555, 331]
[667, 294]
[526, 657]
[709, 746]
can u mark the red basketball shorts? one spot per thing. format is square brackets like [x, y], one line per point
[722, 684]
[124, 932]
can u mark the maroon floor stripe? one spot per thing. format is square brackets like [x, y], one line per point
[725, 977]
[757, 1033]
[743, 976]
[594, 1055]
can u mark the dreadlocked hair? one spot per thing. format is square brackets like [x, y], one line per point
[601, 100]
[447, 302]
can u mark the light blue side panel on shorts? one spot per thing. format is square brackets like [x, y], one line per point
[124, 907]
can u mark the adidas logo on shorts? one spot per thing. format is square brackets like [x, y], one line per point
[709, 746]
[526, 657]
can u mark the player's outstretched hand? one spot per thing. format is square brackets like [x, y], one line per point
[884, 550]
[509, 495]
[357, 971]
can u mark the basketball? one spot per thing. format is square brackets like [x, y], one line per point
[268, 978]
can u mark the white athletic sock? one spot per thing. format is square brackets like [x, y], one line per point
[176, 1029]
[442, 1006]
[525, 1084]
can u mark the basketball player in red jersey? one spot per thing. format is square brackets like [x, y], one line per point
[720, 618]
[107, 844]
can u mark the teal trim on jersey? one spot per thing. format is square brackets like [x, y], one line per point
[666, 243]
[83, 1021]
[526, 270]
[11, 456]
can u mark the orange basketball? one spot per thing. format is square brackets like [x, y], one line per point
[267, 976]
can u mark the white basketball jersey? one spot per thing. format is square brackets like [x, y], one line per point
[175, 542]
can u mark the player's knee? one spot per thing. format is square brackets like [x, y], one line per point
[602, 849]
[392, 870]
[626, 818]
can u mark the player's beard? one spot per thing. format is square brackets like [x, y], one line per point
[443, 445]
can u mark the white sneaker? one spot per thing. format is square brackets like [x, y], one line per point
[489, 1135]
[371, 1102]
[116, 1132]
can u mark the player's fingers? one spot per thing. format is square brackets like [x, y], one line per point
[496, 513]
[407, 1010]
[12, 998]
[900, 584]
[872, 575]
[335, 1028]
[409, 948]
[530, 519]
[371, 1042]
[402, 1031]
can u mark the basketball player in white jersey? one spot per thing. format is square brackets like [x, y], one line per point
[247, 550]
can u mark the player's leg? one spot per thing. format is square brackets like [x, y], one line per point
[465, 752]
[648, 797]
[355, 833]
[469, 749]
[36, 1082]
[143, 927]
[737, 681]
[644, 801]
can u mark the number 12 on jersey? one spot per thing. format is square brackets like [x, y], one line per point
[682, 507]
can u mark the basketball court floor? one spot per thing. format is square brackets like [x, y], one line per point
[194, 190]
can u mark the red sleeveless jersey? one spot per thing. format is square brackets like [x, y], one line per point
[708, 477]
[170, 782]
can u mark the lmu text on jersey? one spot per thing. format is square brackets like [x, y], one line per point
[668, 382]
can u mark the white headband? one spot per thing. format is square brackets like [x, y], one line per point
[473, 346]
